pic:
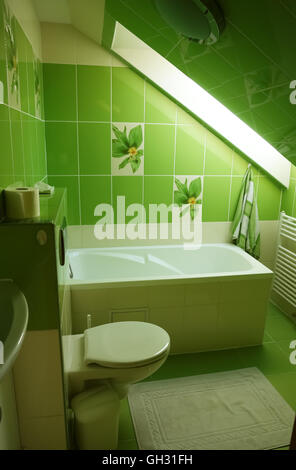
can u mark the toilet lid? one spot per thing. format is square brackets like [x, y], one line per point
[125, 344]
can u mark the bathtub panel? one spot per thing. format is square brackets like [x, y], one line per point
[242, 290]
[129, 297]
[100, 317]
[200, 328]
[197, 321]
[79, 320]
[171, 319]
[87, 300]
[95, 299]
[241, 324]
[164, 296]
[206, 311]
[202, 293]
[136, 314]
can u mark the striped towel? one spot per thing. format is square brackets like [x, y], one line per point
[245, 228]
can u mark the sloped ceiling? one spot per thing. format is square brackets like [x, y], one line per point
[53, 11]
[85, 15]
[249, 70]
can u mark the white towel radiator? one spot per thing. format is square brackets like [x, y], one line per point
[284, 281]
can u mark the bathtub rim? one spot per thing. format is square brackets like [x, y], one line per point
[258, 270]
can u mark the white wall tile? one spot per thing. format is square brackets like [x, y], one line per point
[66, 320]
[83, 237]
[38, 376]
[9, 427]
[45, 433]
[58, 43]
[64, 44]
[74, 236]
[216, 232]
[90, 53]
[269, 235]
[25, 13]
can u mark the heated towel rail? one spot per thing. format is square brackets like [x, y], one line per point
[284, 282]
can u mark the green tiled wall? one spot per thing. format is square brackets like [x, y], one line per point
[22, 133]
[289, 196]
[82, 102]
[249, 69]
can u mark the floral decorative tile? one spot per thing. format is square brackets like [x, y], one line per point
[12, 58]
[37, 86]
[188, 192]
[127, 149]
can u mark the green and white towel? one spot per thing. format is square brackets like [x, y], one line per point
[245, 229]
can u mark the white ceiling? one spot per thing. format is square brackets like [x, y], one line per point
[53, 11]
[85, 15]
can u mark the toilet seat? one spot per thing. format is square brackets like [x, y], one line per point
[125, 344]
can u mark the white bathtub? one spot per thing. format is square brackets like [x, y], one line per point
[214, 297]
[155, 263]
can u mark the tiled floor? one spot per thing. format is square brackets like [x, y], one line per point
[272, 359]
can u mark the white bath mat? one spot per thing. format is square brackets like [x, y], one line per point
[233, 410]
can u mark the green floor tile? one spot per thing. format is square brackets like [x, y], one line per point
[280, 328]
[285, 347]
[128, 445]
[273, 310]
[178, 366]
[267, 338]
[200, 363]
[268, 358]
[285, 385]
[272, 359]
[126, 430]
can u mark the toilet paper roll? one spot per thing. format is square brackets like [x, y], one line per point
[22, 203]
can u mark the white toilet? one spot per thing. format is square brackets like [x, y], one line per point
[100, 364]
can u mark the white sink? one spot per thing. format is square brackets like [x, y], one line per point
[13, 322]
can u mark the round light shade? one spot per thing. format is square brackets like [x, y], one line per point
[200, 20]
